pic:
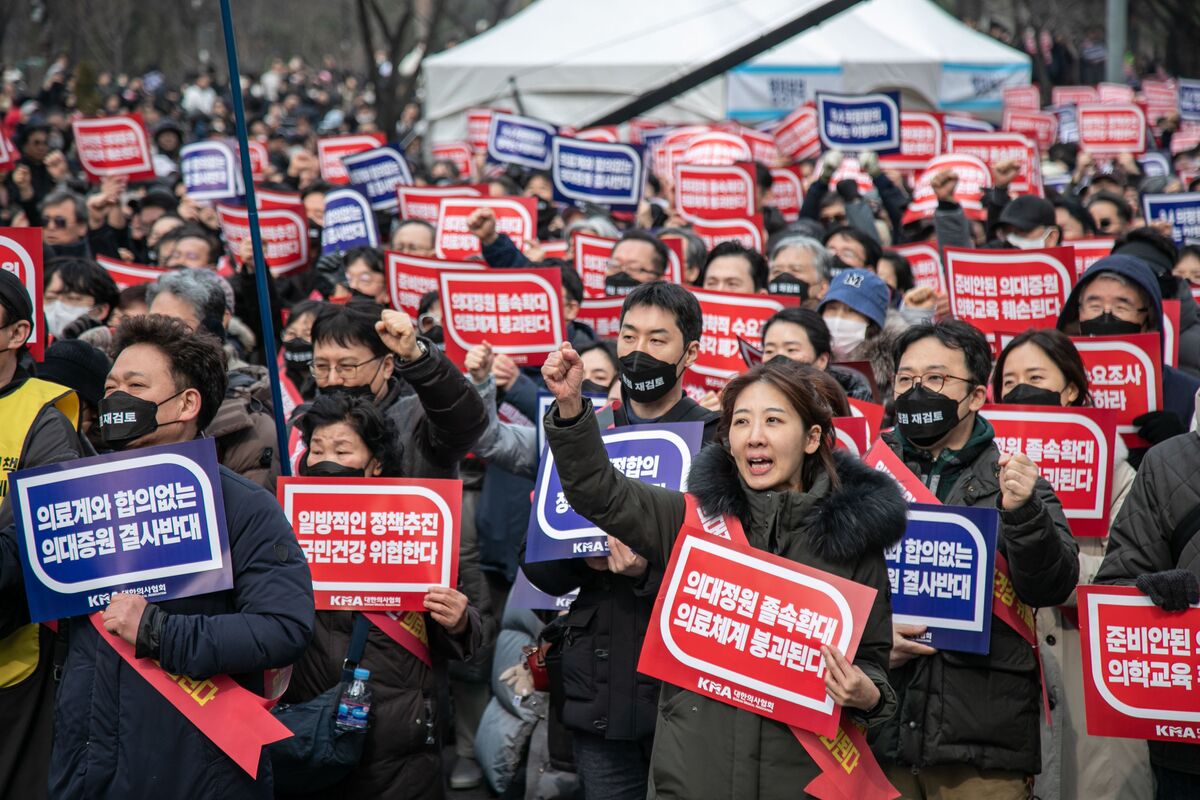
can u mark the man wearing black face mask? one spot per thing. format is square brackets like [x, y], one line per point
[948, 729]
[1119, 296]
[612, 717]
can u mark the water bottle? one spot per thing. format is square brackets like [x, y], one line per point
[355, 703]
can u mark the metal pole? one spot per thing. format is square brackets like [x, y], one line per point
[265, 312]
[1116, 38]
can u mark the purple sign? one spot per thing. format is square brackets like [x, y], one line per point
[349, 222]
[210, 171]
[149, 521]
[376, 174]
[525, 595]
[657, 454]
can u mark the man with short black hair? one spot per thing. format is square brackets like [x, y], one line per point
[730, 267]
[77, 288]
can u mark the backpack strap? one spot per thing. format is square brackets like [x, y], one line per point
[358, 643]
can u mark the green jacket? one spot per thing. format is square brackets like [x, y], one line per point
[704, 748]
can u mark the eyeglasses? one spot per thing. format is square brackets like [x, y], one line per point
[836, 219]
[364, 279]
[634, 270]
[56, 222]
[320, 369]
[1120, 308]
[934, 381]
[1105, 224]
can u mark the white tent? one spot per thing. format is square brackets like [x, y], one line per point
[571, 61]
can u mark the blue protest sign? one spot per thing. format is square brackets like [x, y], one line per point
[597, 172]
[658, 454]
[349, 222]
[209, 171]
[523, 141]
[545, 400]
[1154, 163]
[859, 121]
[1068, 123]
[525, 595]
[1182, 210]
[1189, 98]
[376, 174]
[149, 521]
[941, 575]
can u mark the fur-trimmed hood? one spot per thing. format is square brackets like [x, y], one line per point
[865, 515]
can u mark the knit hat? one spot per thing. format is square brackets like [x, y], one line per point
[76, 365]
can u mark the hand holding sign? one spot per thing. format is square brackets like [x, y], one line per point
[448, 607]
[563, 374]
[903, 648]
[123, 616]
[847, 684]
[1018, 476]
[479, 362]
[482, 223]
[397, 332]
[623, 561]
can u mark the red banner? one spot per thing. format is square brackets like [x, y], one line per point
[457, 153]
[1088, 252]
[1022, 97]
[1140, 665]
[411, 277]
[746, 231]
[375, 544]
[973, 178]
[994, 148]
[284, 235]
[921, 139]
[703, 192]
[796, 137]
[1040, 126]
[711, 634]
[1003, 290]
[850, 434]
[1125, 373]
[519, 312]
[926, 263]
[515, 216]
[1111, 129]
[1074, 449]
[604, 315]
[727, 317]
[787, 192]
[592, 254]
[1073, 95]
[21, 254]
[125, 274]
[717, 149]
[423, 202]
[109, 146]
[332, 149]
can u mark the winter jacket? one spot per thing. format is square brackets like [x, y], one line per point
[1164, 492]
[603, 693]
[116, 737]
[244, 428]
[982, 710]
[503, 253]
[704, 748]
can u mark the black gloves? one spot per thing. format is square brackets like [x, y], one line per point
[1158, 426]
[1172, 589]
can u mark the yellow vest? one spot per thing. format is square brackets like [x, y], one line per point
[19, 409]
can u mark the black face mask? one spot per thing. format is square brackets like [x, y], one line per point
[1024, 394]
[924, 416]
[839, 266]
[297, 351]
[329, 469]
[1108, 325]
[363, 391]
[123, 418]
[647, 379]
[591, 387]
[789, 286]
[619, 284]
[436, 335]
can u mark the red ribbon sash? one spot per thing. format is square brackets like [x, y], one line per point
[234, 719]
[406, 629]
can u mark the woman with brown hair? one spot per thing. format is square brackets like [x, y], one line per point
[775, 470]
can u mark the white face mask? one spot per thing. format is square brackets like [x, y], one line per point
[845, 335]
[59, 315]
[1022, 243]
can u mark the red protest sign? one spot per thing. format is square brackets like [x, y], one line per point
[1162, 98]
[745, 627]
[1022, 97]
[592, 254]
[1114, 93]
[457, 153]
[109, 146]
[259, 159]
[973, 178]
[411, 277]
[881, 458]
[21, 254]
[871, 412]
[271, 198]
[1073, 95]
[717, 148]
[1171, 311]
[515, 216]
[746, 231]
[375, 544]
[519, 312]
[1088, 252]
[1040, 126]
[926, 263]
[995, 148]
[1125, 373]
[727, 317]
[284, 235]
[1140, 665]
[703, 192]
[1074, 449]
[787, 192]
[1111, 128]
[479, 122]
[332, 149]
[850, 434]
[423, 202]
[851, 170]
[675, 246]
[996, 290]
[920, 141]
[797, 137]
[603, 315]
[126, 274]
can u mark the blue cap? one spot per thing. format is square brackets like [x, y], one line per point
[361, 674]
[861, 290]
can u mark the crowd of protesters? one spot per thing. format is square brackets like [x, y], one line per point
[183, 357]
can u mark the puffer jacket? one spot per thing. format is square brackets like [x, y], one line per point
[704, 748]
[982, 710]
[1139, 542]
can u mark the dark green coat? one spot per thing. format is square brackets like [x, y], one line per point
[704, 748]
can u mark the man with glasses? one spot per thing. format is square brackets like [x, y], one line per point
[414, 237]
[437, 413]
[968, 725]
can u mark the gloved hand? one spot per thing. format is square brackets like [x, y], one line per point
[1172, 589]
[829, 164]
[1158, 426]
[73, 330]
[869, 161]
